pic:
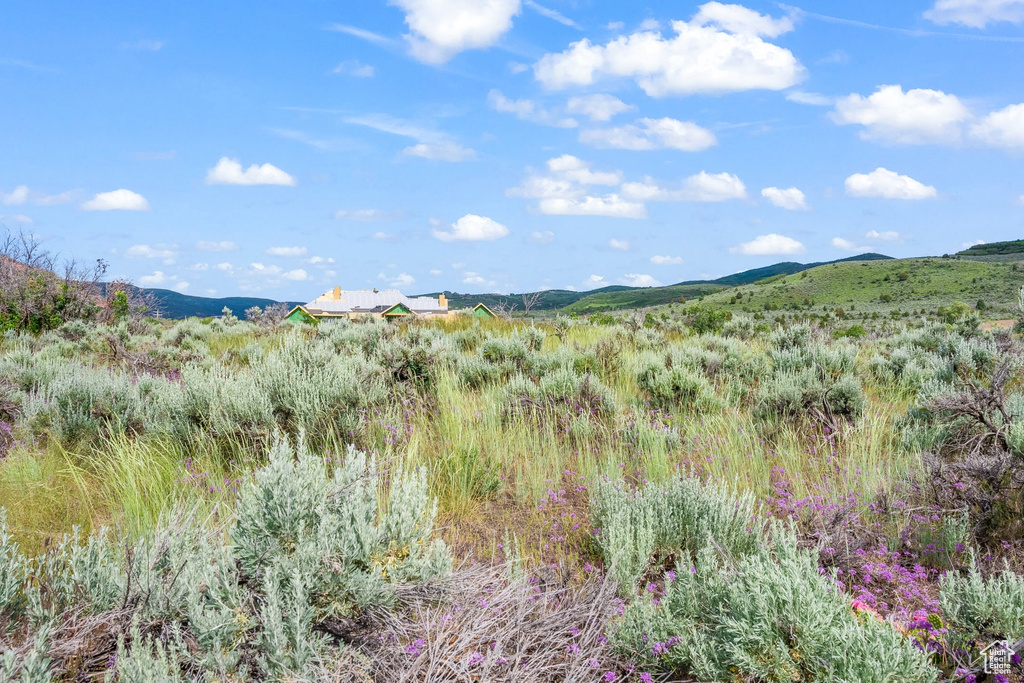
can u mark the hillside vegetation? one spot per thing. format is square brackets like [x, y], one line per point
[910, 285]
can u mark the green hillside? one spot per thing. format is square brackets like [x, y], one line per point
[905, 284]
[609, 300]
[546, 300]
[995, 249]
[173, 305]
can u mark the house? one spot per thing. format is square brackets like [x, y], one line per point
[389, 304]
[481, 311]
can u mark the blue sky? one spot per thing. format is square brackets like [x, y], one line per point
[279, 149]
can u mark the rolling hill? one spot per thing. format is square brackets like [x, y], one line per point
[171, 304]
[869, 286]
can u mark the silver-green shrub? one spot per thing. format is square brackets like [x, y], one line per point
[980, 608]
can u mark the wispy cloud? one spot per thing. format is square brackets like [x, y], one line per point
[552, 14]
[362, 34]
[431, 144]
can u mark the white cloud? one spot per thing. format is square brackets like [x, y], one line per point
[598, 107]
[229, 172]
[528, 110]
[915, 117]
[319, 261]
[472, 228]
[1003, 128]
[619, 245]
[264, 269]
[1019, 202]
[666, 260]
[650, 24]
[769, 245]
[54, 199]
[552, 14]
[791, 199]
[471, 278]
[976, 13]
[436, 272]
[440, 151]
[180, 286]
[163, 251]
[885, 184]
[541, 237]
[440, 29]
[157, 278]
[810, 98]
[847, 245]
[741, 20]
[382, 236]
[117, 200]
[400, 280]
[638, 280]
[665, 133]
[887, 236]
[615, 25]
[225, 267]
[16, 218]
[361, 33]
[703, 187]
[354, 68]
[297, 275]
[368, 215]
[216, 246]
[15, 197]
[199, 267]
[595, 281]
[720, 50]
[287, 251]
[565, 193]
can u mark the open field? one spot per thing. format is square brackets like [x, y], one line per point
[607, 462]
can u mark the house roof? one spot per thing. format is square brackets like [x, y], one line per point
[367, 301]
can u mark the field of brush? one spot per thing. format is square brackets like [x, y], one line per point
[460, 500]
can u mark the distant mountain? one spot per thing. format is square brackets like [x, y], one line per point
[171, 304]
[619, 296]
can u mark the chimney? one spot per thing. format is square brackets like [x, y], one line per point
[337, 293]
[442, 301]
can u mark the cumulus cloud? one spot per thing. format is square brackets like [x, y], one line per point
[162, 251]
[528, 110]
[847, 245]
[598, 107]
[472, 228]
[18, 195]
[769, 245]
[440, 151]
[180, 287]
[619, 245]
[703, 187]
[566, 191]
[914, 117]
[118, 200]
[297, 275]
[471, 278]
[595, 281]
[400, 280]
[264, 269]
[1003, 128]
[639, 280]
[216, 246]
[157, 278]
[225, 268]
[719, 50]
[887, 236]
[440, 29]
[382, 236]
[665, 133]
[976, 13]
[791, 198]
[885, 184]
[287, 251]
[666, 260]
[541, 237]
[230, 172]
